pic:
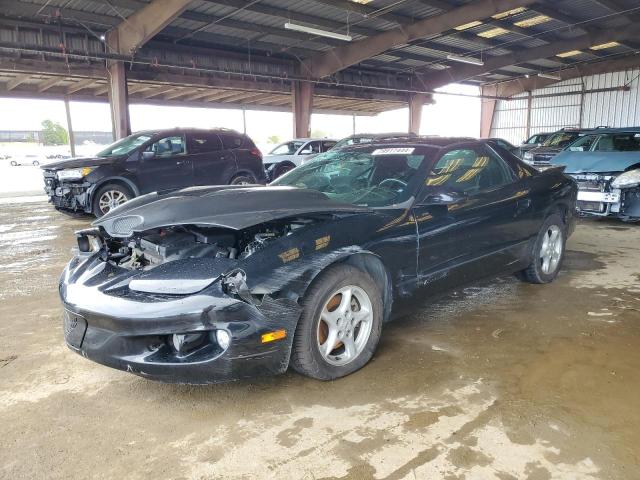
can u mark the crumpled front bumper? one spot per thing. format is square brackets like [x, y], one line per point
[74, 196]
[131, 331]
[597, 198]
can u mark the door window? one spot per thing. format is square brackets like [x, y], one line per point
[625, 142]
[204, 142]
[310, 148]
[168, 146]
[328, 145]
[469, 171]
[230, 141]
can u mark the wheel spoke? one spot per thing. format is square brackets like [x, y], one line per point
[331, 341]
[350, 350]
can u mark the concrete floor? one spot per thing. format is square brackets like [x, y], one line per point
[502, 380]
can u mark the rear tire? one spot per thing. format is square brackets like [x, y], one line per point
[108, 197]
[548, 252]
[280, 169]
[243, 179]
[340, 325]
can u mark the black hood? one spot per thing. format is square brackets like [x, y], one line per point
[235, 207]
[80, 162]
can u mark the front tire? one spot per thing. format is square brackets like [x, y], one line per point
[243, 179]
[548, 252]
[108, 197]
[340, 325]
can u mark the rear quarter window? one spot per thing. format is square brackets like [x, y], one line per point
[231, 140]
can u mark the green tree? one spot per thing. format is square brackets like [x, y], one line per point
[54, 134]
[273, 139]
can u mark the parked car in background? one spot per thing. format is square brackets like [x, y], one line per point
[213, 284]
[506, 145]
[606, 165]
[30, 159]
[289, 155]
[150, 161]
[540, 156]
[363, 138]
[534, 141]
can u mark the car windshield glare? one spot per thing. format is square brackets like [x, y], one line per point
[560, 139]
[125, 145]
[375, 178]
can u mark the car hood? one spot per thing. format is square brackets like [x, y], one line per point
[80, 162]
[596, 162]
[234, 207]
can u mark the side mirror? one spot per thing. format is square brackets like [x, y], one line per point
[147, 155]
[442, 198]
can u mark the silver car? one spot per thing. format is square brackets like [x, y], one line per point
[293, 153]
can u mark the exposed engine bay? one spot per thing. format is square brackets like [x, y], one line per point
[152, 248]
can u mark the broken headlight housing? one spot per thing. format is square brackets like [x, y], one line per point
[627, 179]
[74, 173]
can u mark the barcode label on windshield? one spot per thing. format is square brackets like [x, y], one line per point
[393, 151]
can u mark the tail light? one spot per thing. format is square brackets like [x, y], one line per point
[255, 151]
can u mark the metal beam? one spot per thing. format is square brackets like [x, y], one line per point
[327, 63]
[144, 24]
[17, 81]
[72, 138]
[464, 72]
[514, 87]
[416, 102]
[47, 84]
[80, 85]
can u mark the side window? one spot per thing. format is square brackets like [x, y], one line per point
[469, 171]
[167, 147]
[230, 141]
[328, 145]
[204, 142]
[311, 147]
[627, 142]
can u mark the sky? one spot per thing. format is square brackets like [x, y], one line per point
[450, 115]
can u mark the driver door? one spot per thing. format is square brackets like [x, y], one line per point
[165, 165]
[470, 237]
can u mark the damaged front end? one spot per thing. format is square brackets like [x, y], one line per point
[68, 194]
[609, 194]
[178, 304]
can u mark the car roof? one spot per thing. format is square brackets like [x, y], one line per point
[607, 130]
[162, 131]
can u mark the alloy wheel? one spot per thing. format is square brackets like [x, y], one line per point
[551, 250]
[110, 200]
[345, 325]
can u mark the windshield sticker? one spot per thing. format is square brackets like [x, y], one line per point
[393, 151]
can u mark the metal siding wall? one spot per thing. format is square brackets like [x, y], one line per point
[615, 109]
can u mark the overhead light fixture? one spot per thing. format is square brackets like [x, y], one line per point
[602, 46]
[570, 53]
[494, 32]
[465, 26]
[508, 13]
[533, 21]
[549, 76]
[470, 60]
[317, 31]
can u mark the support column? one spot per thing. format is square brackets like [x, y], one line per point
[72, 138]
[529, 102]
[416, 102]
[302, 106]
[487, 110]
[118, 95]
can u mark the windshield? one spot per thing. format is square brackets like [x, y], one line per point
[376, 178]
[582, 144]
[125, 145]
[289, 148]
[561, 139]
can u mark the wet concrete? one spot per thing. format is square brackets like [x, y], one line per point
[500, 380]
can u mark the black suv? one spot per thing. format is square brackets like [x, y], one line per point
[151, 161]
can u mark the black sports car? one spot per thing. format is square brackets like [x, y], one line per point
[210, 284]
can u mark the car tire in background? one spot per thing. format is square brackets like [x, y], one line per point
[280, 169]
[14, 163]
[340, 325]
[548, 252]
[110, 196]
[35, 163]
[243, 179]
